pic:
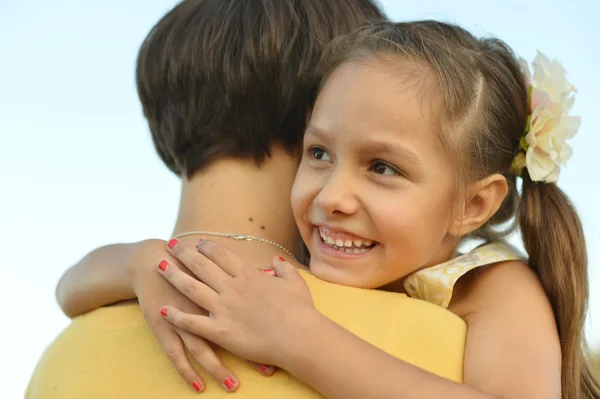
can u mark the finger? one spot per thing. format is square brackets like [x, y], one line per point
[207, 358]
[209, 273]
[268, 272]
[173, 347]
[223, 257]
[198, 292]
[203, 326]
[262, 368]
[284, 269]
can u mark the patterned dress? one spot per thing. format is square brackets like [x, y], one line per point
[436, 283]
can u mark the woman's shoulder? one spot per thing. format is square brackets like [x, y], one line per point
[415, 331]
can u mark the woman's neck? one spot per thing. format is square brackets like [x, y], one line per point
[237, 196]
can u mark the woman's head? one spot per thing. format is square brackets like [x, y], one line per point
[230, 78]
[409, 148]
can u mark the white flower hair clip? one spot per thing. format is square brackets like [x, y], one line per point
[551, 96]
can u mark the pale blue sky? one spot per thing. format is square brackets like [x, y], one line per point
[77, 164]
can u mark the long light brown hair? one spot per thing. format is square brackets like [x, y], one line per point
[485, 110]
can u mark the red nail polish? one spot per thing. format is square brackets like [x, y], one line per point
[163, 312]
[229, 383]
[265, 370]
[163, 265]
[198, 243]
[268, 270]
[172, 243]
[197, 386]
[281, 258]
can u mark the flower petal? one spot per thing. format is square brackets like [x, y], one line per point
[549, 126]
[565, 154]
[540, 166]
[568, 126]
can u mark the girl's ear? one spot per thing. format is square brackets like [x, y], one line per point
[483, 200]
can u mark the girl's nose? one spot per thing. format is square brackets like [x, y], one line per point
[336, 196]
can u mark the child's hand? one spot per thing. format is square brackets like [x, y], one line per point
[153, 292]
[252, 314]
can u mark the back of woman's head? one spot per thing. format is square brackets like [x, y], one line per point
[230, 78]
[484, 114]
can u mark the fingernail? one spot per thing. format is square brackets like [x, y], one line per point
[197, 386]
[265, 370]
[163, 312]
[268, 270]
[198, 243]
[163, 265]
[172, 243]
[229, 383]
[281, 258]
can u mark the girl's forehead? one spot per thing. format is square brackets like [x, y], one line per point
[370, 96]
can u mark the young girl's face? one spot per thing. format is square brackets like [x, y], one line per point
[373, 193]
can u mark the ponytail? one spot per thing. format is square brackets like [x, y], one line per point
[553, 237]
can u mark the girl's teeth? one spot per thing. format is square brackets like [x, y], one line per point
[348, 246]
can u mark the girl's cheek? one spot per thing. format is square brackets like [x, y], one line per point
[299, 202]
[302, 188]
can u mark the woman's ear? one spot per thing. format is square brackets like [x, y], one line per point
[484, 198]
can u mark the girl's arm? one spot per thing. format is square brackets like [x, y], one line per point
[512, 347]
[339, 365]
[513, 350]
[103, 277]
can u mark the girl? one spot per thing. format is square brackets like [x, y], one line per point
[414, 146]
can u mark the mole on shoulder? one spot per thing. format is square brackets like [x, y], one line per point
[262, 227]
[250, 219]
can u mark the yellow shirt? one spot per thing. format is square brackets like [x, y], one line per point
[111, 352]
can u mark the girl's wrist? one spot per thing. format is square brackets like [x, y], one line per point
[299, 345]
[142, 260]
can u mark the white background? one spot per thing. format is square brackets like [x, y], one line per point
[77, 166]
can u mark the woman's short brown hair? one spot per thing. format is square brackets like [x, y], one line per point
[231, 78]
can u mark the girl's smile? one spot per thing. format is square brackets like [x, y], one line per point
[332, 242]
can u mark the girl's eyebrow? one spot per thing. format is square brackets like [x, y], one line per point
[379, 147]
[314, 131]
[393, 149]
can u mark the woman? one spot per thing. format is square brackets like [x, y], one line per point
[226, 87]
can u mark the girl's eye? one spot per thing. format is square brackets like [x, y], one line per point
[382, 168]
[319, 154]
